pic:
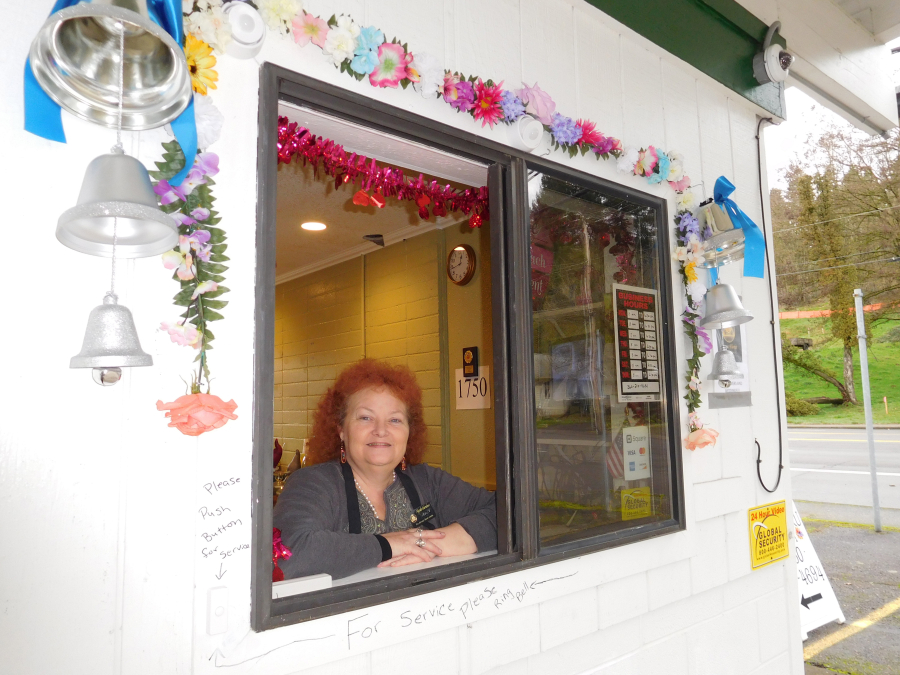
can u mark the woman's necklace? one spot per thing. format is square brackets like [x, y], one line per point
[369, 501]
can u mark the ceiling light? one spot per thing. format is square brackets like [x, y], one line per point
[459, 248]
[313, 226]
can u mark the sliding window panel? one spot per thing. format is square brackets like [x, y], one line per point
[600, 351]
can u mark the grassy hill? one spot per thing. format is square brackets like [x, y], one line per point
[884, 372]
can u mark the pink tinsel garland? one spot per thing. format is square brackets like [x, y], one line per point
[297, 141]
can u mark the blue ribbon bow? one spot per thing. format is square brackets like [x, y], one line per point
[754, 244]
[43, 115]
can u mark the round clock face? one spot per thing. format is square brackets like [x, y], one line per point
[461, 264]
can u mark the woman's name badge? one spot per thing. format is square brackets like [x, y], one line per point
[422, 515]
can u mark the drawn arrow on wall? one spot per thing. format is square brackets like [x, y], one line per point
[221, 572]
[217, 657]
[806, 602]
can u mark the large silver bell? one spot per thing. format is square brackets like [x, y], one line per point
[75, 58]
[725, 368]
[724, 308]
[110, 343]
[117, 187]
[726, 245]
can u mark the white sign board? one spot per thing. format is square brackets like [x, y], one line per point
[636, 447]
[818, 603]
[473, 393]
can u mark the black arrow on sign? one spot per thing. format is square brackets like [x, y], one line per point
[223, 572]
[806, 602]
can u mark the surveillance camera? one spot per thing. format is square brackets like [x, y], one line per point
[773, 62]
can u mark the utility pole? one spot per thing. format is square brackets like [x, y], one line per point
[867, 397]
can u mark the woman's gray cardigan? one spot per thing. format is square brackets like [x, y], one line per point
[312, 515]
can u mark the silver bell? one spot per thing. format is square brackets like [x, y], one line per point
[117, 187]
[725, 368]
[75, 58]
[724, 308]
[110, 343]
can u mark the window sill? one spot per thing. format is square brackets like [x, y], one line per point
[316, 582]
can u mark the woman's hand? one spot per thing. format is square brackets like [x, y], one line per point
[456, 542]
[404, 546]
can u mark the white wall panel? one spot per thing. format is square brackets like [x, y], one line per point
[129, 583]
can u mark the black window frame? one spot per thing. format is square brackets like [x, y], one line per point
[517, 499]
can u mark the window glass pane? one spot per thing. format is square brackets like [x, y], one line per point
[602, 431]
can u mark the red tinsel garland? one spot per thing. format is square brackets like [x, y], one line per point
[344, 167]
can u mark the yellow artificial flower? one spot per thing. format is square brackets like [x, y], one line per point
[690, 272]
[200, 62]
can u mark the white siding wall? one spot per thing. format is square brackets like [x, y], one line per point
[101, 565]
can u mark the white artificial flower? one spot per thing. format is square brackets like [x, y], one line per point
[339, 45]
[349, 25]
[627, 160]
[187, 6]
[209, 121]
[431, 75]
[685, 201]
[278, 14]
[212, 26]
[676, 167]
[695, 291]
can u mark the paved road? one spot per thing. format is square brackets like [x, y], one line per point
[832, 466]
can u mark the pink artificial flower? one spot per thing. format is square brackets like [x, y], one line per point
[308, 28]
[449, 90]
[183, 263]
[537, 102]
[589, 133]
[700, 438]
[487, 103]
[200, 213]
[185, 334]
[647, 161]
[182, 219]
[680, 185]
[207, 163]
[391, 68]
[194, 414]
[204, 287]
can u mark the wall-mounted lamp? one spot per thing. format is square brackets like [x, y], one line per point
[773, 62]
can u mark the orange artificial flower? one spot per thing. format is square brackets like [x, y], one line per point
[194, 414]
[200, 62]
[700, 438]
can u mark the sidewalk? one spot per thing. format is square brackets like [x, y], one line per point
[847, 513]
[864, 570]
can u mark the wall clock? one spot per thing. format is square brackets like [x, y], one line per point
[461, 264]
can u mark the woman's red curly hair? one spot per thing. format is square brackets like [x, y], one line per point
[325, 442]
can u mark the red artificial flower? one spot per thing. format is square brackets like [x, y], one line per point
[487, 103]
[589, 133]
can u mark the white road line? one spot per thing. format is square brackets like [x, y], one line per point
[862, 473]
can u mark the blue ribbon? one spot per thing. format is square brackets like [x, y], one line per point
[754, 244]
[43, 116]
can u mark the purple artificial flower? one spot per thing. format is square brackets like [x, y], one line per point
[688, 225]
[607, 145]
[465, 97]
[207, 163]
[200, 213]
[564, 129]
[705, 342]
[512, 105]
[183, 219]
[168, 193]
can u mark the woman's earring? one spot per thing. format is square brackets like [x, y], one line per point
[343, 454]
[403, 463]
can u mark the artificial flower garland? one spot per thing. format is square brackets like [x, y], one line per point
[363, 53]
[198, 261]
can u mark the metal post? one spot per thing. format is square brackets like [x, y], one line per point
[867, 398]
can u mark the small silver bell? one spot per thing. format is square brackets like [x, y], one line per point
[76, 59]
[117, 187]
[725, 368]
[724, 308]
[110, 343]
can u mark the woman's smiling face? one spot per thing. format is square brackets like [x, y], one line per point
[376, 429]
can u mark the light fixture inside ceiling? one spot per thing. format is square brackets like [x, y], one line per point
[459, 248]
[313, 226]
